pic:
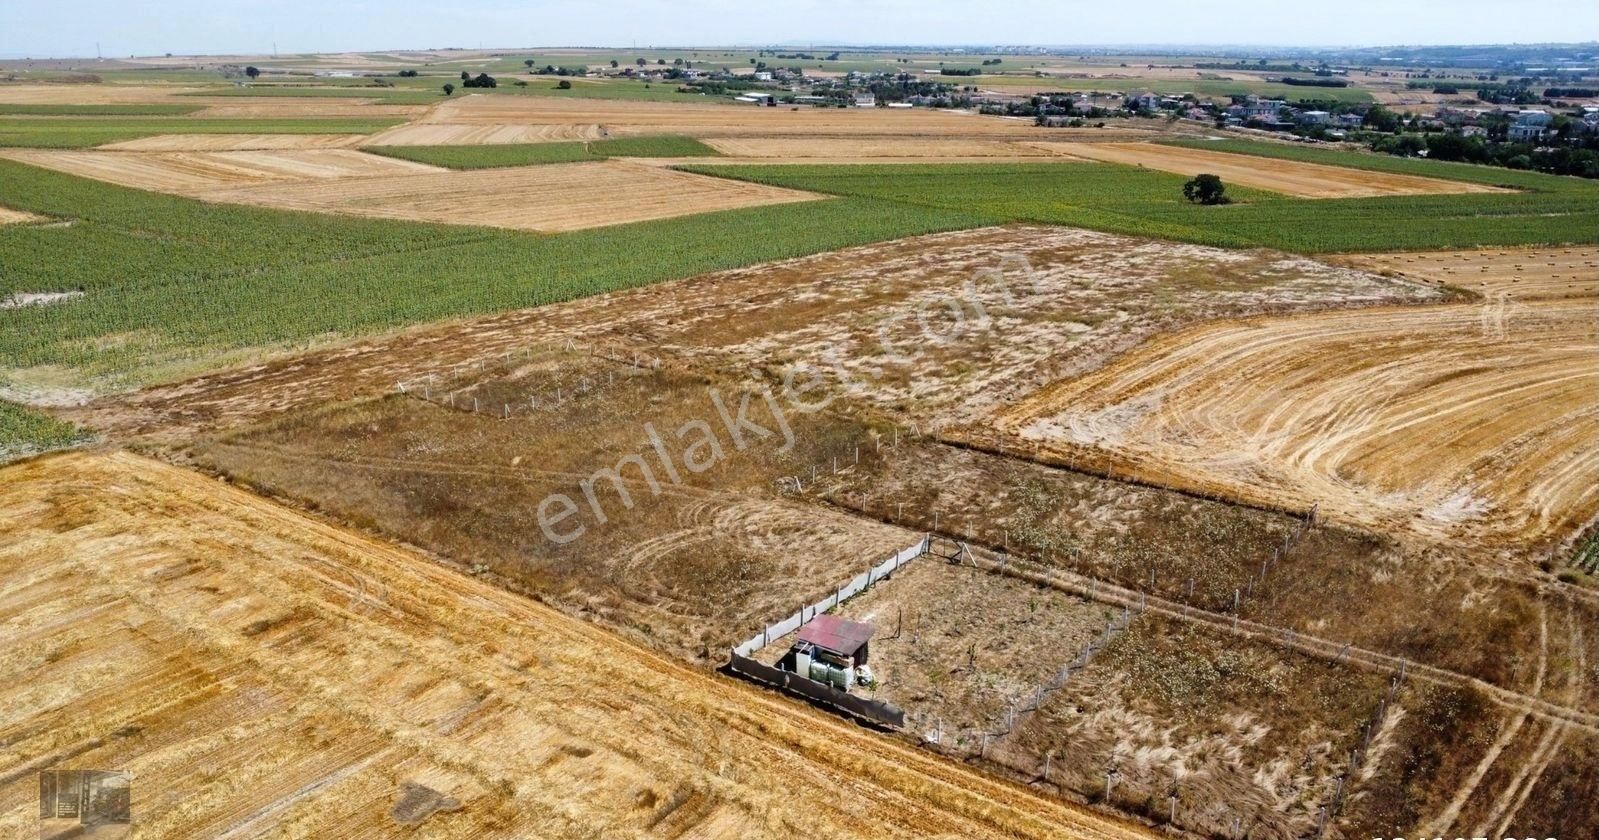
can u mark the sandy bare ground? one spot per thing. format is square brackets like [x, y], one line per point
[14, 217]
[234, 142]
[1305, 180]
[717, 120]
[1515, 273]
[557, 197]
[257, 671]
[197, 173]
[1459, 422]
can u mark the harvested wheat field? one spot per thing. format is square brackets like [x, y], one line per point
[233, 142]
[716, 120]
[873, 147]
[431, 134]
[255, 670]
[1460, 422]
[72, 94]
[1517, 273]
[196, 173]
[549, 198]
[1062, 301]
[223, 107]
[1291, 177]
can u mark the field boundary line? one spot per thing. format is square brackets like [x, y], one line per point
[1097, 590]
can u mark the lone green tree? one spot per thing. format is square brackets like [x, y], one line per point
[448, 88]
[1206, 189]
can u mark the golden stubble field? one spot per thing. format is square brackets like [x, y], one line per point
[1457, 421]
[254, 669]
[556, 197]
[1291, 177]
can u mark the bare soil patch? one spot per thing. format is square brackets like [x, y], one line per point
[17, 217]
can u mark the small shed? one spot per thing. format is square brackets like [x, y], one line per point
[839, 636]
[831, 650]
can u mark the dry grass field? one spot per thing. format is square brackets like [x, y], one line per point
[1296, 178]
[691, 570]
[549, 198]
[1090, 296]
[1517, 273]
[1459, 422]
[257, 671]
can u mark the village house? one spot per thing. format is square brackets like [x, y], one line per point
[1530, 126]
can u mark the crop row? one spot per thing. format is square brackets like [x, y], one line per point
[170, 281]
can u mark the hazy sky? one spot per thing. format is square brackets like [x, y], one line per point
[154, 27]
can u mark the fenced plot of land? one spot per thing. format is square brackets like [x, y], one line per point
[1296, 178]
[1458, 421]
[956, 646]
[690, 566]
[1514, 273]
[1235, 728]
[254, 669]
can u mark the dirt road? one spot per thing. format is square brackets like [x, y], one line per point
[256, 670]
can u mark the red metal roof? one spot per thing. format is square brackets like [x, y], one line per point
[836, 635]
